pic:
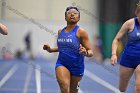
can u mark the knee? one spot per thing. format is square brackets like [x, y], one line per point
[64, 86]
[123, 85]
[137, 88]
[122, 90]
[74, 88]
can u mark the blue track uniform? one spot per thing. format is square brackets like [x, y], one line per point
[131, 54]
[68, 46]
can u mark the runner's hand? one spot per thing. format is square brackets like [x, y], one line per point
[82, 50]
[47, 47]
[113, 59]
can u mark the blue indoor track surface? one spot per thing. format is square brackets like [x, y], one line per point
[38, 76]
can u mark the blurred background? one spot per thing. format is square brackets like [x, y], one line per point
[42, 18]
[101, 18]
[33, 23]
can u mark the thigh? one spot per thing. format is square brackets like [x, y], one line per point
[125, 75]
[74, 84]
[137, 75]
[62, 75]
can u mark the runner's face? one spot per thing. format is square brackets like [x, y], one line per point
[72, 16]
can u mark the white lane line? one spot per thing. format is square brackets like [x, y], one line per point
[4, 66]
[80, 91]
[100, 81]
[28, 78]
[38, 79]
[8, 75]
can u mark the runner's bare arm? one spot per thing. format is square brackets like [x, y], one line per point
[85, 43]
[3, 29]
[48, 48]
[124, 29]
